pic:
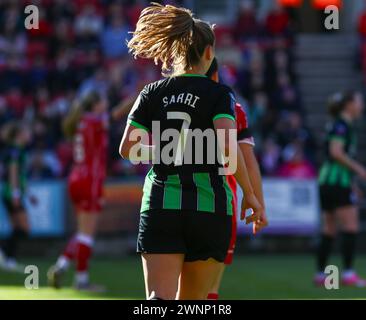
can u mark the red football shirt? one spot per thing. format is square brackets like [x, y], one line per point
[90, 146]
[244, 136]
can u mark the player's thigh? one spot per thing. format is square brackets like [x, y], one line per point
[87, 222]
[348, 218]
[329, 223]
[161, 274]
[197, 279]
[20, 220]
[18, 216]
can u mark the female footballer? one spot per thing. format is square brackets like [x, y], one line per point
[338, 201]
[17, 137]
[87, 125]
[246, 144]
[185, 219]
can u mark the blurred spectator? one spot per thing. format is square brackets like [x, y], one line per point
[252, 77]
[12, 40]
[61, 10]
[247, 25]
[228, 53]
[62, 38]
[38, 169]
[256, 112]
[362, 25]
[15, 101]
[362, 34]
[114, 36]
[64, 76]
[12, 74]
[291, 128]
[4, 112]
[285, 96]
[295, 164]
[133, 11]
[270, 157]
[37, 74]
[277, 21]
[88, 26]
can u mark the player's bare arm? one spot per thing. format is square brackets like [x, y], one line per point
[241, 173]
[256, 181]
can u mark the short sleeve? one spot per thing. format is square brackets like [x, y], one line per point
[225, 105]
[339, 131]
[244, 132]
[139, 115]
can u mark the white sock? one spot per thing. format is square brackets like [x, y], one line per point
[85, 239]
[82, 277]
[63, 263]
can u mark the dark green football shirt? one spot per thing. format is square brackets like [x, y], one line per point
[332, 172]
[184, 102]
[17, 155]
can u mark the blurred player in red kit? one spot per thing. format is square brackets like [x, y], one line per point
[87, 124]
[246, 144]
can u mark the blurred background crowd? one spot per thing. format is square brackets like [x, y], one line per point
[80, 46]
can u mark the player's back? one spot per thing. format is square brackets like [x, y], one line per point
[90, 145]
[173, 105]
[180, 112]
[332, 172]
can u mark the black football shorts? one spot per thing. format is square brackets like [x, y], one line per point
[198, 235]
[333, 197]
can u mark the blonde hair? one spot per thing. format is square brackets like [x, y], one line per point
[172, 36]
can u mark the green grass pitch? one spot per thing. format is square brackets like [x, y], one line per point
[250, 277]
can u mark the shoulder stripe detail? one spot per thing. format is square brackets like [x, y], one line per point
[138, 125]
[223, 115]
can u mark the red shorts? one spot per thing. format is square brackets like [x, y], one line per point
[85, 192]
[230, 252]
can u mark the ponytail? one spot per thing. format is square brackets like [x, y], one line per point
[214, 67]
[172, 36]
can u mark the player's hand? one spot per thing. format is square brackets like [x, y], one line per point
[251, 202]
[261, 223]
